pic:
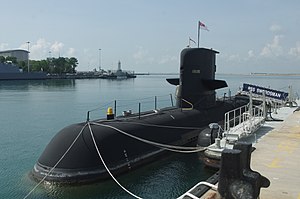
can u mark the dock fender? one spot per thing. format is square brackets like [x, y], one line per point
[207, 137]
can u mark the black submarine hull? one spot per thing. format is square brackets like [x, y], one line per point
[72, 156]
[120, 152]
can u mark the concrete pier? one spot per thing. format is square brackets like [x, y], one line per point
[277, 156]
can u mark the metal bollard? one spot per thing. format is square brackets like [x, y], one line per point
[236, 179]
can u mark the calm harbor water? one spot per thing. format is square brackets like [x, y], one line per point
[32, 112]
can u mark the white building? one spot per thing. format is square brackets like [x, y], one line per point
[21, 55]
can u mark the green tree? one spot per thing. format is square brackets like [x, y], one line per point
[22, 65]
[51, 65]
[12, 59]
[63, 65]
[2, 59]
[73, 62]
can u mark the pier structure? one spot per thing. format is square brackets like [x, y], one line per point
[276, 151]
[239, 124]
[276, 156]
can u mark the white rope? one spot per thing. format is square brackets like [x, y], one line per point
[163, 146]
[42, 180]
[107, 169]
[179, 149]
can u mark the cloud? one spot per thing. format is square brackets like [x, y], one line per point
[140, 54]
[273, 49]
[295, 51]
[57, 47]
[38, 50]
[41, 49]
[168, 59]
[234, 57]
[275, 28]
[250, 54]
[71, 52]
[3, 46]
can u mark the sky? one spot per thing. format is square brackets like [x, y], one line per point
[148, 35]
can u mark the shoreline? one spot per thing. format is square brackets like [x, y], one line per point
[261, 74]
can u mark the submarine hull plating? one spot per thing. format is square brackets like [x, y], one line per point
[120, 152]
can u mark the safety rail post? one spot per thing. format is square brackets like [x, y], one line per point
[139, 110]
[115, 108]
[241, 115]
[264, 105]
[234, 117]
[155, 102]
[227, 121]
[171, 100]
[88, 116]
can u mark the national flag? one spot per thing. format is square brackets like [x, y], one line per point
[203, 26]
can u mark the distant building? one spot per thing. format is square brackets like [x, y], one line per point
[21, 55]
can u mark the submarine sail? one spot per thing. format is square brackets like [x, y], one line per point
[126, 143]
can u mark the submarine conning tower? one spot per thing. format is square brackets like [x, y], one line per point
[197, 84]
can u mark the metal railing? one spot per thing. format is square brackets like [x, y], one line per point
[241, 115]
[134, 106]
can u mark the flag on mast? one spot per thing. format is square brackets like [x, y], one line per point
[202, 26]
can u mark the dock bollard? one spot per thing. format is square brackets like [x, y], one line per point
[110, 115]
[236, 179]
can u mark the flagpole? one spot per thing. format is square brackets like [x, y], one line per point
[198, 32]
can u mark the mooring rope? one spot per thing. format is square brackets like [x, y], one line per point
[107, 169]
[179, 149]
[61, 158]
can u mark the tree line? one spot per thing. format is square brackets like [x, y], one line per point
[50, 65]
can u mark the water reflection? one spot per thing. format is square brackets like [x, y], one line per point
[36, 84]
[167, 178]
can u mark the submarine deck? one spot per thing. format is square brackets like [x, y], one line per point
[277, 157]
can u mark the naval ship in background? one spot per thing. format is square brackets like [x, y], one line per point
[9, 71]
[118, 74]
[85, 152]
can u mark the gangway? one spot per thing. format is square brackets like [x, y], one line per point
[243, 121]
[239, 123]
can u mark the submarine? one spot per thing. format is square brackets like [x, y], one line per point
[89, 151]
